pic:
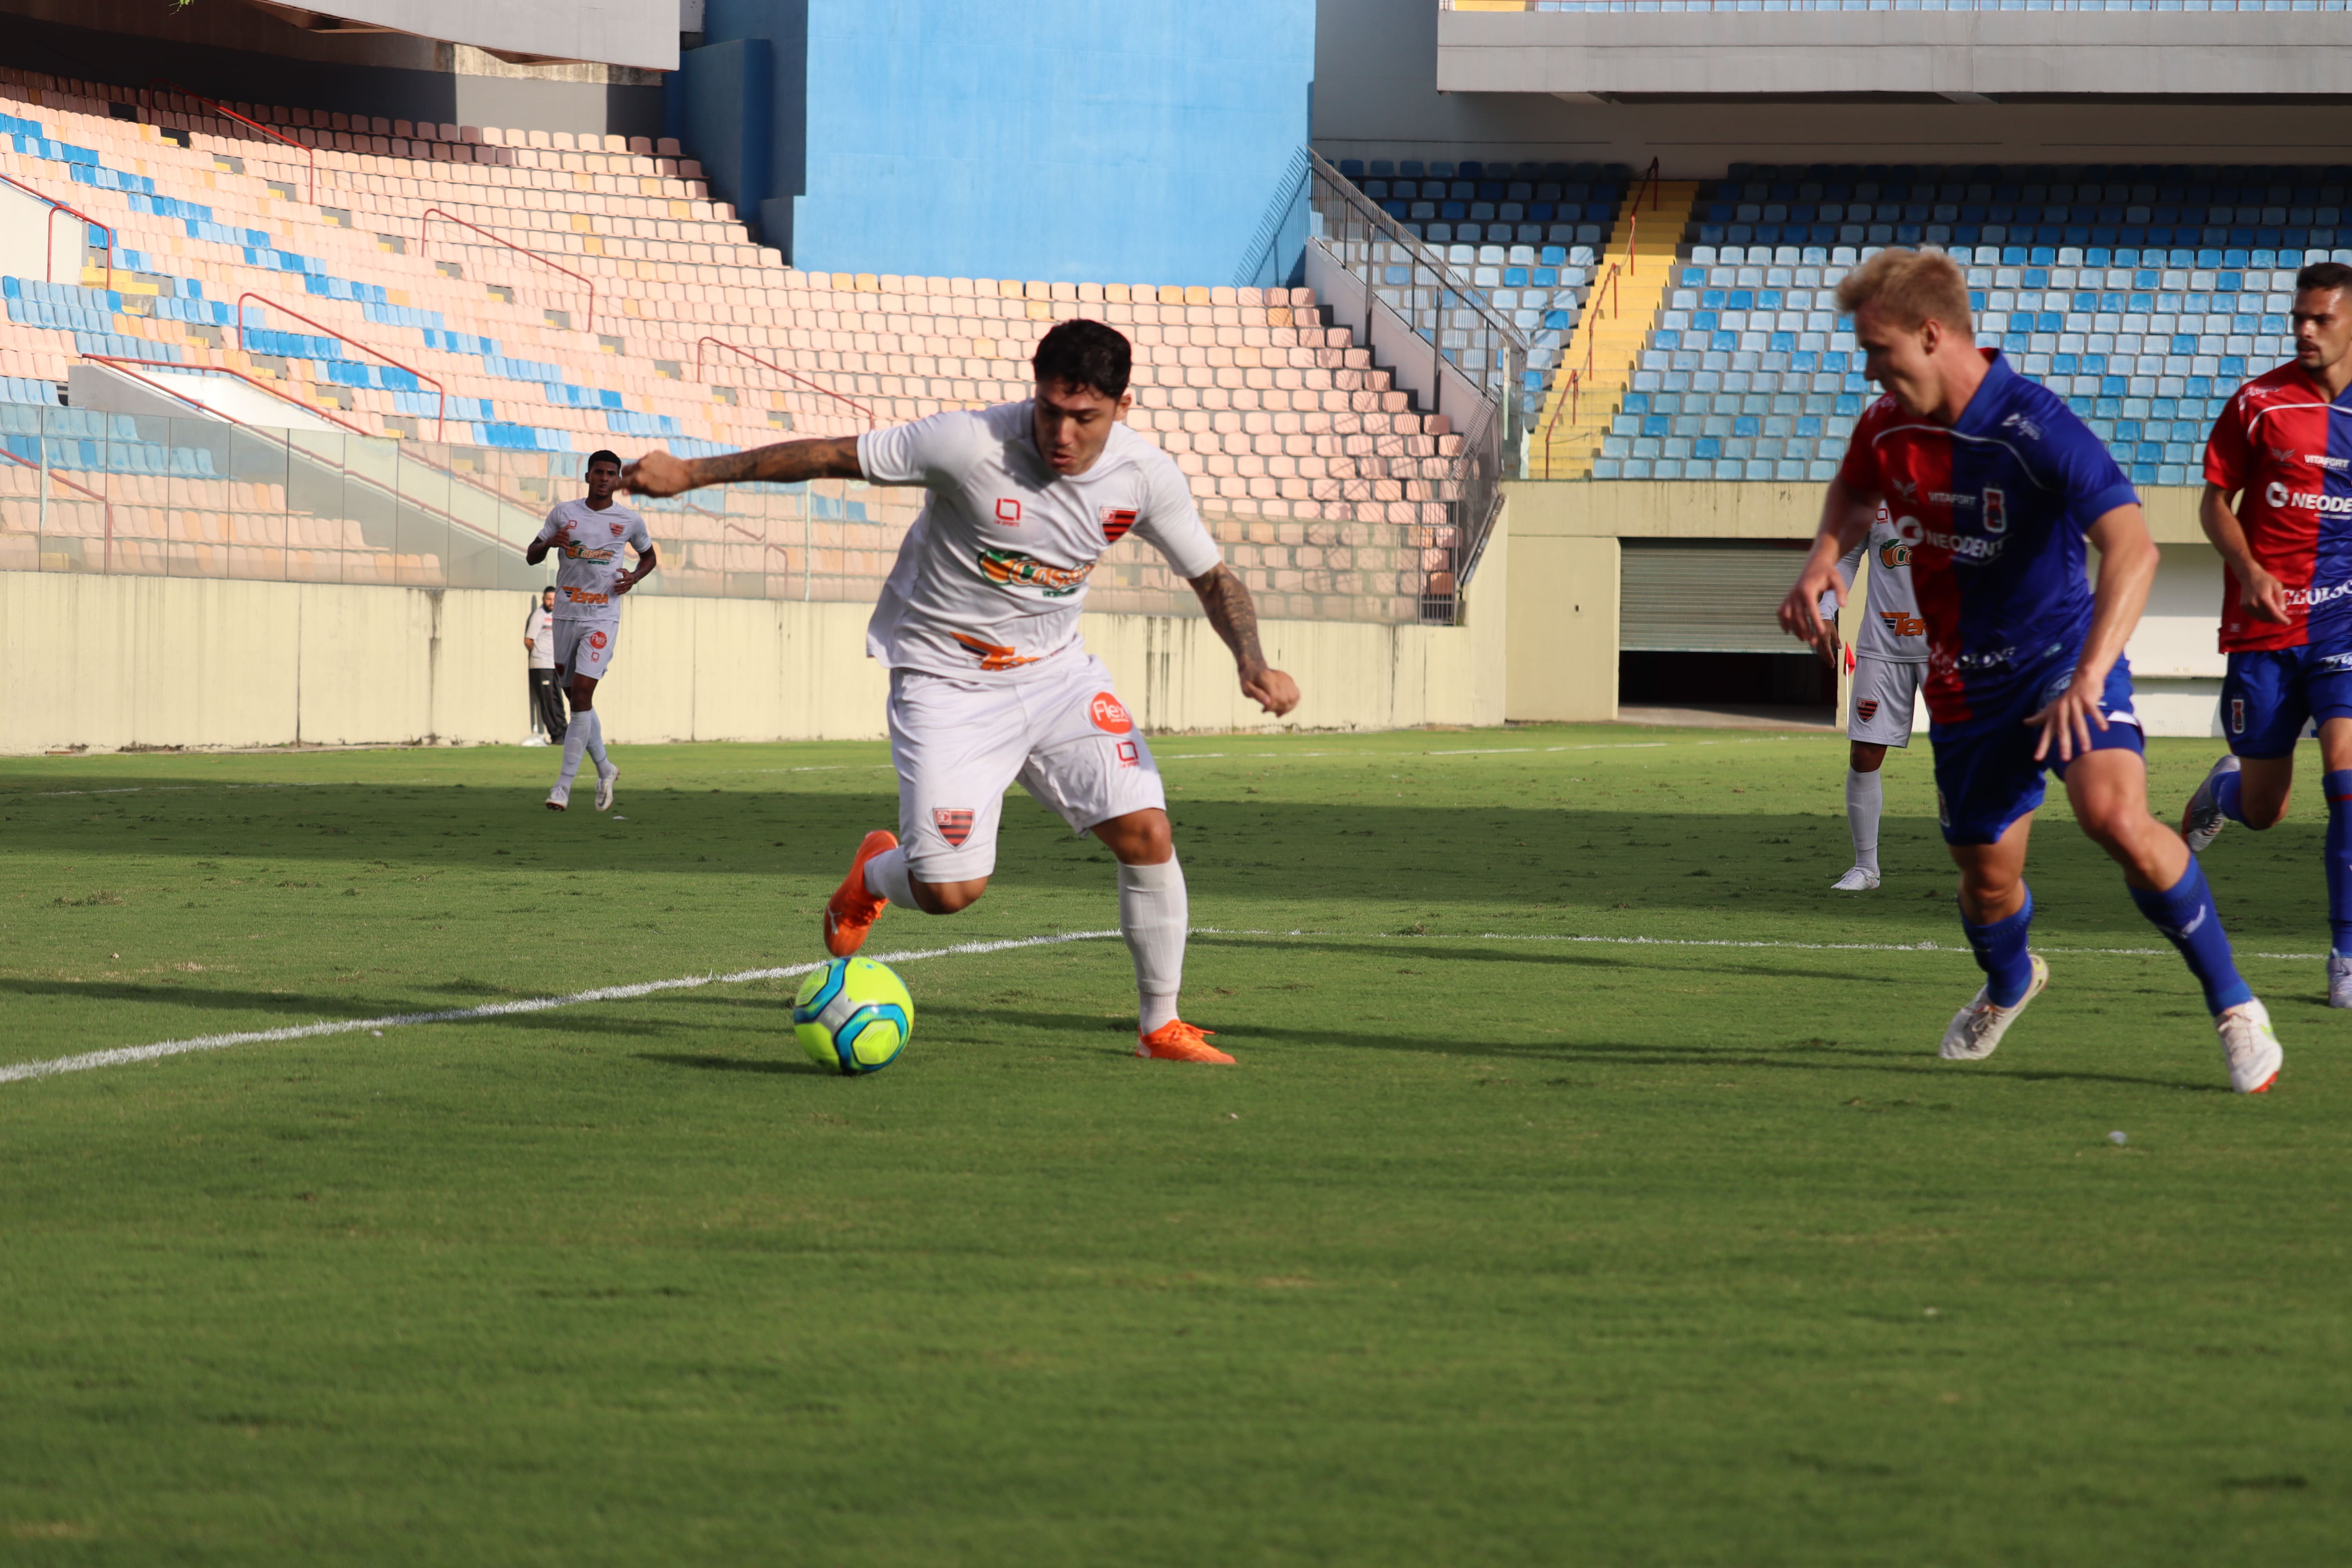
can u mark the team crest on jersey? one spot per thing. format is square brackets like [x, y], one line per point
[1996, 512]
[616, 528]
[1115, 521]
[1866, 708]
[1008, 509]
[954, 825]
[1109, 714]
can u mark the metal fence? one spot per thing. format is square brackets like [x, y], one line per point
[1438, 333]
[85, 491]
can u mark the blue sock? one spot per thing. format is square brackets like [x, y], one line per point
[2185, 914]
[2337, 786]
[2225, 795]
[2000, 953]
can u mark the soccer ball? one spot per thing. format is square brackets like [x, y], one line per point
[854, 1015]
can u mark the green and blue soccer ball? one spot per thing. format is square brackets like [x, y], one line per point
[854, 1015]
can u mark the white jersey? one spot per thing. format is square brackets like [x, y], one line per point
[584, 579]
[993, 573]
[1894, 630]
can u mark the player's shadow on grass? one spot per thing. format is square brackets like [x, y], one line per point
[332, 1009]
[1814, 1055]
[704, 1061]
[1563, 954]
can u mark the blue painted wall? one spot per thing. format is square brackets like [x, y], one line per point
[1108, 141]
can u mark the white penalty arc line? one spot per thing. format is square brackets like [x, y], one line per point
[124, 1056]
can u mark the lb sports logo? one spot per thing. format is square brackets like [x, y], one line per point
[953, 823]
[1110, 715]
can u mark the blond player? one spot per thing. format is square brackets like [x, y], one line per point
[989, 683]
[590, 534]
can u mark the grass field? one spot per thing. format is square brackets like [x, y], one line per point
[1510, 1239]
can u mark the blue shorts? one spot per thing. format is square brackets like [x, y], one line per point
[2271, 694]
[1986, 777]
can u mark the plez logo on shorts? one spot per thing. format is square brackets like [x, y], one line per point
[1115, 521]
[955, 827]
[596, 639]
[1108, 714]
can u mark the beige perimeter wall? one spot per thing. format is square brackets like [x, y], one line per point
[109, 662]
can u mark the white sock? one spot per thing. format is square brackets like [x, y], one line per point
[1154, 916]
[1863, 798]
[575, 741]
[596, 741]
[887, 877]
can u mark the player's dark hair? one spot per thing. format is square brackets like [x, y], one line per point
[2324, 275]
[600, 457]
[1085, 354]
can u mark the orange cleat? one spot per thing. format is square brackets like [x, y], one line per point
[1177, 1041]
[852, 911]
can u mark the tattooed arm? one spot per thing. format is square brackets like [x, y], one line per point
[786, 462]
[1226, 600]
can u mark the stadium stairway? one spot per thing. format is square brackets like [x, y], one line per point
[1621, 310]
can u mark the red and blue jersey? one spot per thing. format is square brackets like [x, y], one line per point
[2284, 444]
[1995, 506]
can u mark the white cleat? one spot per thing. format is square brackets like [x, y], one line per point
[1861, 879]
[2250, 1048]
[559, 799]
[2339, 981]
[2203, 822]
[605, 782]
[1976, 1029]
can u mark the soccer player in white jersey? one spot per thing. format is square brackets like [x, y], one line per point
[990, 681]
[1888, 660]
[589, 583]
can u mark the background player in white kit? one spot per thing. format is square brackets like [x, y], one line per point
[589, 583]
[1889, 657]
[990, 681]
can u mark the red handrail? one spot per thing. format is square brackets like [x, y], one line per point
[57, 206]
[432, 213]
[1650, 178]
[69, 484]
[1552, 422]
[870, 418]
[222, 109]
[443, 391]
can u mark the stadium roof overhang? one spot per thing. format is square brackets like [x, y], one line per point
[1963, 55]
[522, 31]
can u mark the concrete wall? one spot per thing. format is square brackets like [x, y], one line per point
[107, 662]
[1376, 96]
[644, 35]
[1563, 626]
[2076, 52]
[1063, 140]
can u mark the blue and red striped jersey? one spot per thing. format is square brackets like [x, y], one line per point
[2284, 443]
[1995, 507]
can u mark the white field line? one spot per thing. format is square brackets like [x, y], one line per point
[126, 1054]
[123, 1056]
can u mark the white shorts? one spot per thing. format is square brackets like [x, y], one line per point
[1883, 693]
[1062, 735]
[585, 648]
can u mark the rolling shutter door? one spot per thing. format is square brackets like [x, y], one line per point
[1717, 597]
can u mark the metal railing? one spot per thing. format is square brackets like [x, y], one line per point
[1476, 360]
[440, 424]
[424, 224]
[226, 112]
[48, 233]
[868, 414]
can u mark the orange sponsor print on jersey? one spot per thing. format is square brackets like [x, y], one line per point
[1115, 521]
[1108, 714]
[1903, 623]
[954, 824]
[1010, 567]
[583, 596]
[993, 656]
